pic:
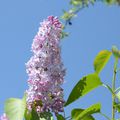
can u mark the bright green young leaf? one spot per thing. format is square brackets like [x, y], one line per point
[76, 2]
[60, 117]
[15, 108]
[76, 112]
[84, 86]
[81, 2]
[101, 60]
[89, 111]
[67, 15]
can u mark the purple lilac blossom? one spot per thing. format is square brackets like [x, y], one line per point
[4, 117]
[45, 69]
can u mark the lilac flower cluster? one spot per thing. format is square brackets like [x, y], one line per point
[45, 69]
[4, 117]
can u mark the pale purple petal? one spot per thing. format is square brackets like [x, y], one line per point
[4, 117]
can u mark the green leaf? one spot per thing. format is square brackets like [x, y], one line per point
[118, 95]
[89, 111]
[27, 115]
[46, 116]
[76, 112]
[64, 34]
[34, 115]
[117, 90]
[93, 1]
[117, 107]
[110, 2]
[81, 2]
[75, 2]
[84, 86]
[67, 15]
[60, 117]
[109, 88]
[15, 108]
[101, 60]
[43, 116]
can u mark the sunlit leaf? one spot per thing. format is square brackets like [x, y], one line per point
[89, 111]
[15, 108]
[76, 112]
[84, 86]
[67, 15]
[101, 60]
[76, 2]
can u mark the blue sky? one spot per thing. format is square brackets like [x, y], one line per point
[96, 28]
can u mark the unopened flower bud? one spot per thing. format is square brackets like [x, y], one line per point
[116, 52]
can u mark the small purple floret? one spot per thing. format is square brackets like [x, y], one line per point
[4, 117]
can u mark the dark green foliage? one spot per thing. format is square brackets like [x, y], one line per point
[60, 117]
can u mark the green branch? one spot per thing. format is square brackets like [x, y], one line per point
[113, 87]
[78, 5]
